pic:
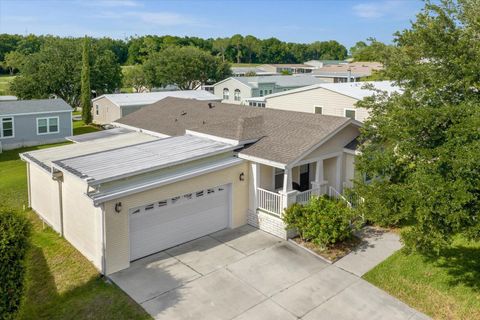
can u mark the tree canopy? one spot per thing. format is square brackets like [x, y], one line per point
[56, 69]
[186, 67]
[422, 147]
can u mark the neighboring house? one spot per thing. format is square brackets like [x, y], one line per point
[244, 71]
[204, 167]
[239, 89]
[33, 122]
[110, 107]
[291, 68]
[335, 99]
[347, 72]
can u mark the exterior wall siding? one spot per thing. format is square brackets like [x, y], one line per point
[44, 196]
[117, 224]
[269, 223]
[332, 103]
[335, 144]
[231, 85]
[25, 130]
[107, 111]
[82, 222]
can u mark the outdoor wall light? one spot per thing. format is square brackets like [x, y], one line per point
[118, 207]
[241, 177]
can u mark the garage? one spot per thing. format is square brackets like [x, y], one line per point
[169, 222]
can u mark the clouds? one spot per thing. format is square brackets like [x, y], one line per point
[375, 10]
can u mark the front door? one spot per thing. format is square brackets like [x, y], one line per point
[304, 177]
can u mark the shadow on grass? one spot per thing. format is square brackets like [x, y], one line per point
[462, 263]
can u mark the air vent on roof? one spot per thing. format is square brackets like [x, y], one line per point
[183, 113]
[211, 105]
[204, 121]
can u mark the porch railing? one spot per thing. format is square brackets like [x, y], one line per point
[269, 201]
[304, 197]
[333, 193]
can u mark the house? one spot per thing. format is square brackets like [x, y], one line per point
[346, 72]
[191, 168]
[239, 89]
[245, 71]
[335, 99]
[110, 107]
[34, 122]
[289, 68]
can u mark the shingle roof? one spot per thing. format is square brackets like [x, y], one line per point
[145, 98]
[284, 135]
[33, 106]
[282, 81]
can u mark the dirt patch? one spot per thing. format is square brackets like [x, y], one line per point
[332, 252]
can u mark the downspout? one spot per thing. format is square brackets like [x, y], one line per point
[29, 186]
[104, 260]
[60, 205]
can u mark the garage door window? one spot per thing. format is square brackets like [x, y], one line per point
[178, 199]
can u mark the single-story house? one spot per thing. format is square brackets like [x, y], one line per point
[193, 168]
[347, 72]
[110, 107]
[34, 122]
[239, 89]
[334, 99]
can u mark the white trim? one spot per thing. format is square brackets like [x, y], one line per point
[350, 109]
[262, 161]
[136, 129]
[328, 137]
[315, 106]
[220, 139]
[1, 127]
[322, 157]
[156, 184]
[37, 113]
[48, 125]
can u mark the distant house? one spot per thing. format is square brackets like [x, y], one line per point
[291, 68]
[34, 122]
[239, 90]
[8, 98]
[110, 107]
[346, 72]
[245, 71]
[334, 99]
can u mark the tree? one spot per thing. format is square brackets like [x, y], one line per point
[236, 41]
[252, 46]
[56, 70]
[374, 51]
[421, 147]
[13, 61]
[134, 77]
[85, 85]
[220, 45]
[360, 45]
[186, 67]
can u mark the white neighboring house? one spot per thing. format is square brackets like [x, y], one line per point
[109, 107]
[334, 99]
[239, 90]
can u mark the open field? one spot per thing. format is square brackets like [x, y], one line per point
[5, 83]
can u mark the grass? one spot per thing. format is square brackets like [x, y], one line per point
[60, 282]
[5, 84]
[79, 127]
[444, 287]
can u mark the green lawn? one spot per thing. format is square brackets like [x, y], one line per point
[79, 127]
[4, 84]
[61, 283]
[444, 287]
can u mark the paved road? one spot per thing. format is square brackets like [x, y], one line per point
[247, 274]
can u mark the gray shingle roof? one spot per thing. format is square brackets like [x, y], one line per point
[33, 106]
[283, 135]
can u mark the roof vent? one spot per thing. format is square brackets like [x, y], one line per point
[176, 119]
[183, 113]
[204, 121]
[211, 105]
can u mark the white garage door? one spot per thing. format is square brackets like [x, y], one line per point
[166, 223]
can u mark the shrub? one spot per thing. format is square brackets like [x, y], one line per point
[322, 220]
[14, 240]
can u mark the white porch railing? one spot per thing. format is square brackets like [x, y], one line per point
[269, 201]
[304, 197]
[333, 193]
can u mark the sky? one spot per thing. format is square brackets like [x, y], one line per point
[301, 21]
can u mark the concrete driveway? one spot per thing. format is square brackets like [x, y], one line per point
[248, 274]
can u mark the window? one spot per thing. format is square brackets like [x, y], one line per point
[47, 125]
[6, 127]
[261, 93]
[270, 91]
[279, 178]
[96, 110]
[350, 113]
[236, 95]
[226, 94]
[318, 110]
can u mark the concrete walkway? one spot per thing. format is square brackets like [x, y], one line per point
[376, 246]
[246, 274]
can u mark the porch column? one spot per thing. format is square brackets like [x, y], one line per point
[339, 173]
[319, 171]
[287, 180]
[255, 167]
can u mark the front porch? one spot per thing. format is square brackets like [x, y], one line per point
[274, 189]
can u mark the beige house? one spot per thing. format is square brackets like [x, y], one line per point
[110, 107]
[334, 99]
[191, 168]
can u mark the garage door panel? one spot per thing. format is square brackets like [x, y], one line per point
[167, 223]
